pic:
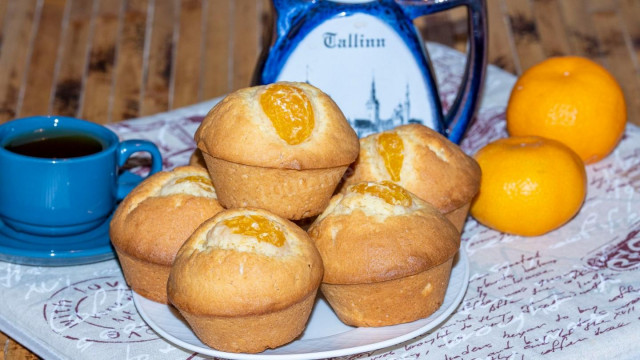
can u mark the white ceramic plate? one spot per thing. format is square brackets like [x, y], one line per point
[325, 335]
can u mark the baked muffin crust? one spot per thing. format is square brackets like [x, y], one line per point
[387, 254]
[424, 162]
[390, 240]
[155, 219]
[246, 280]
[222, 272]
[239, 130]
[282, 147]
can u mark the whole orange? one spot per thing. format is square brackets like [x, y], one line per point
[570, 99]
[530, 185]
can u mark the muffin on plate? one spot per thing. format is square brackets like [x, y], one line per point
[282, 147]
[423, 162]
[196, 159]
[154, 220]
[246, 280]
[387, 254]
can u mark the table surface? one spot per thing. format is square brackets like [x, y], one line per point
[110, 60]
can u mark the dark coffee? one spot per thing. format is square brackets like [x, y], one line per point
[55, 145]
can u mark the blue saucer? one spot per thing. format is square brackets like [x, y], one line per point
[89, 247]
[85, 248]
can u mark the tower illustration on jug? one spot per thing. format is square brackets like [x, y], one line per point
[373, 122]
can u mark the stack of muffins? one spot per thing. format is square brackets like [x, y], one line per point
[221, 239]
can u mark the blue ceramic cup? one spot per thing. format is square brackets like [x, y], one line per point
[61, 196]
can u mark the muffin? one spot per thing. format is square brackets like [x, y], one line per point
[154, 220]
[281, 147]
[423, 162]
[196, 159]
[387, 254]
[246, 280]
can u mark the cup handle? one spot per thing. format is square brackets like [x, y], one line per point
[462, 110]
[127, 148]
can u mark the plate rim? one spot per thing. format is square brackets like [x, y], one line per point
[463, 261]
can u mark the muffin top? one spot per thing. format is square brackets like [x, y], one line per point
[288, 125]
[422, 161]
[159, 214]
[242, 262]
[378, 231]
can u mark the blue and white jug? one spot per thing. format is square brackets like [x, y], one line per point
[368, 56]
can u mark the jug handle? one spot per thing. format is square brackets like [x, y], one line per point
[289, 12]
[462, 110]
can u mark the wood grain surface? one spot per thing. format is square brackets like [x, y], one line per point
[110, 60]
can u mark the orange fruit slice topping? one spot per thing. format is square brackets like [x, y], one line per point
[196, 179]
[290, 112]
[391, 193]
[391, 148]
[257, 226]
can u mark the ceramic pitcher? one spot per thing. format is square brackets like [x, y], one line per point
[369, 57]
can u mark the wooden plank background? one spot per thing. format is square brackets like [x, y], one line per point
[109, 60]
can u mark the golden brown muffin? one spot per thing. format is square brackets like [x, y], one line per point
[423, 162]
[246, 280]
[282, 147]
[387, 254]
[196, 159]
[154, 220]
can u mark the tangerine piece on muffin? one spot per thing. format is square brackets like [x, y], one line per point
[387, 254]
[424, 162]
[246, 280]
[154, 220]
[282, 147]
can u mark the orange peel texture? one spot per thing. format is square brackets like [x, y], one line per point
[530, 185]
